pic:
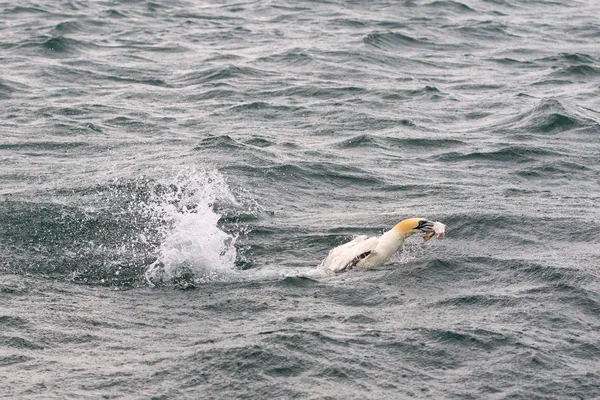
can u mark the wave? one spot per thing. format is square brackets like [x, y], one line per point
[553, 170]
[549, 116]
[453, 6]
[577, 71]
[7, 88]
[215, 75]
[311, 172]
[295, 57]
[488, 30]
[580, 58]
[505, 154]
[61, 45]
[369, 141]
[393, 40]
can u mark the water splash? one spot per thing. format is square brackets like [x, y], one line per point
[412, 250]
[194, 248]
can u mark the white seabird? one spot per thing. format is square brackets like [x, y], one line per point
[370, 252]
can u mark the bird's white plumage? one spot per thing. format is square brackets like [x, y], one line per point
[341, 256]
[369, 252]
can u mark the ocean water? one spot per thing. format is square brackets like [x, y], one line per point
[172, 174]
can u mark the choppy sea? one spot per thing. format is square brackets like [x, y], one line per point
[172, 174]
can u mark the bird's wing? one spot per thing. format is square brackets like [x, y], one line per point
[347, 255]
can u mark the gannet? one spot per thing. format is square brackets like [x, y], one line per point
[370, 252]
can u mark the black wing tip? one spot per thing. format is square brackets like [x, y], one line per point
[354, 261]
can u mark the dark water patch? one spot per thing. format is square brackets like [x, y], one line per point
[531, 271]
[219, 142]
[486, 30]
[368, 123]
[62, 46]
[395, 40]
[259, 142]
[348, 22]
[588, 30]
[468, 340]
[12, 359]
[321, 92]
[68, 243]
[442, 267]
[299, 282]
[113, 14]
[360, 319]
[519, 154]
[420, 351]
[301, 321]
[477, 115]
[423, 143]
[264, 108]
[251, 361]
[65, 111]
[295, 57]
[512, 62]
[9, 288]
[478, 86]
[358, 141]
[517, 192]
[552, 82]
[16, 342]
[25, 10]
[123, 121]
[67, 27]
[221, 94]
[548, 116]
[478, 301]
[452, 6]
[554, 170]
[225, 74]
[207, 16]
[341, 373]
[579, 58]
[587, 301]
[6, 89]
[590, 351]
[430, 93]
[12, 321]
[580, 71]
[302, 339]
[137, 77]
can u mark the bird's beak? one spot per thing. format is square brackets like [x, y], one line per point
[427, 228]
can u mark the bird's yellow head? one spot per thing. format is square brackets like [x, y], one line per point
[411, 226]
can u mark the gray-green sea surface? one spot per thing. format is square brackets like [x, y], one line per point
[173, 173]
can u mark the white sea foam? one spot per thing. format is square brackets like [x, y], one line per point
[193, 244]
